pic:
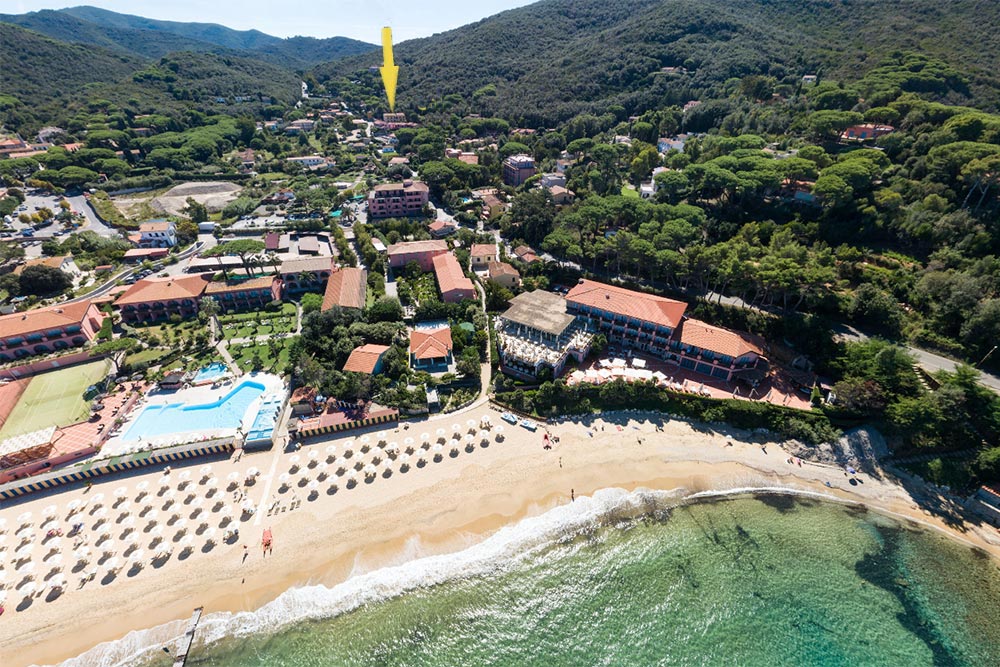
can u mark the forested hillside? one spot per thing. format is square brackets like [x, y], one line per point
[152, 38]
[39, 76]
[552, 60]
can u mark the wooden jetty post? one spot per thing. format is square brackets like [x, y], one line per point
[181, 658]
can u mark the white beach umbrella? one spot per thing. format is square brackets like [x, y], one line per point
[142, 486]
[469, 437]
[124, 509]
[408, 441]
[186, 541]
[49, 524]
[24, 517]
[24, 531]
[438, 447]
[349, 445]
[456, 428]
[156, 531]
[331, 450]
[499, 429]
[323, 466]
[121, 492]
[54, 544]
[27, 568]
[471, 423]
[185, 475]
[404, 459]
[137, 556]
[50, 510]
[54, 560]
[97, 500]
[381, 436]
[284, 477]
[75, 504]
[313, 455]
[3, 524]
[253, 472]
[82, 552]
[210, 535]
[365, 439]
[392, 447]
[28, 587]
[313, 485]
[205, 470]
[233, 476]
[112, 563]
[24, 550]
[129, 521]
[440, 432]
[108, 549]
[425, 437]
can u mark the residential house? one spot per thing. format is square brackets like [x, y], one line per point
[439, 229]
[309, 161]
[346, 288]
[366, 359]
[50, 329]
[251, 294]
[452, 282]
[283, 196]
[517, 169]
[421, 252]
[550, 180]
[153, 299]
[865, 132]
[481, 254]
[300, 126]
[397, 199]
[504, 274]
[158, 234]
[137, 255]
[305, 274]
[526, 254]
[431, 349]
[561, 196]
[64, 263]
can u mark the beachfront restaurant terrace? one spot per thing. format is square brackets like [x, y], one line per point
[537, 332]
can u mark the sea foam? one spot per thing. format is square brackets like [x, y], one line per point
[501, 551]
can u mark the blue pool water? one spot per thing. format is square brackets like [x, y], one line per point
[227, 412]
[210, 372]
[263, 424]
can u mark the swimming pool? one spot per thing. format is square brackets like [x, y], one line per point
[210, 372]
[267, 416]
[224, 413]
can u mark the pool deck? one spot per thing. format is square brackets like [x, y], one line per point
[118, 444]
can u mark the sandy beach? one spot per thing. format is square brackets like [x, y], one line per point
[440, 507]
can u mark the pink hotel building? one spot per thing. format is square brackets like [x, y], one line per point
[397, 200]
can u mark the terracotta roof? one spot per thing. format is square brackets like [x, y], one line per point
[498, 269]
[346, 288]
[163, 289]
[483, 249]
[238, 286]
[409, 247]
[430, 344]
[525, 254]
[621, 301]
[449, 274]
[364, 359]
[716, 339]
[41, 319]
[303, 395]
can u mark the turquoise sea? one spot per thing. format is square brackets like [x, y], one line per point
[628, 579]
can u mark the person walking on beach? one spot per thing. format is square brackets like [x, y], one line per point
[572, 495]
[246, 553]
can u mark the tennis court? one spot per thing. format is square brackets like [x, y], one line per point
[53, 399]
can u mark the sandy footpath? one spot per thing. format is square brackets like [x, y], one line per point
[443, 506]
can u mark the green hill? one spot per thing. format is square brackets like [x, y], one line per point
[153, 38]
[554, 59]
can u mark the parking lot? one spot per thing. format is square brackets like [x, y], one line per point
[32, 204]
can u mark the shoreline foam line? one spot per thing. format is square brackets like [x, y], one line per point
[502, 550]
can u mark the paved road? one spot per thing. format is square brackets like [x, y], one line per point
[81, 205]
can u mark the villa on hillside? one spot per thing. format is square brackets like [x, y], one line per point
[421, 252]
[49, 329]
[504, 274]
[452, 282]
[346, 288]
[64, 263]
[517, 169]
[154, 299]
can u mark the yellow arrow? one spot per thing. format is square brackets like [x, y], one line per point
[389, 70]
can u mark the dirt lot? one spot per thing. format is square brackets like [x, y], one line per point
[214, 195]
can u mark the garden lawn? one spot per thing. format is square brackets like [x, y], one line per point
[54, 399]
